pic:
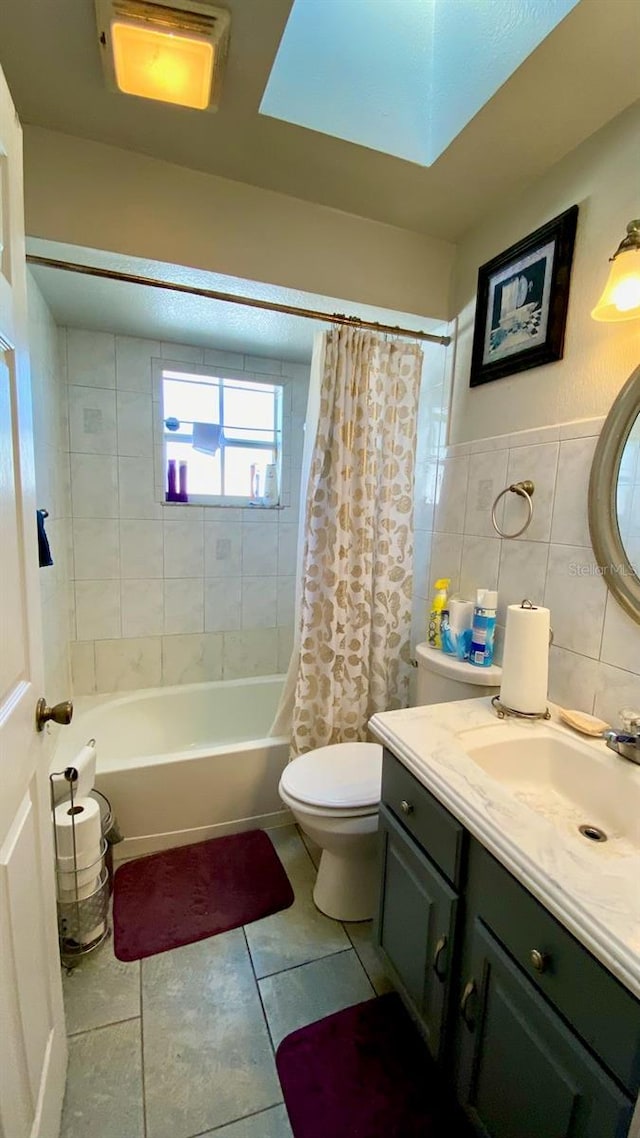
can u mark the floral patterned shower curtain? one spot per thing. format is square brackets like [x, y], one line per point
[355, 610]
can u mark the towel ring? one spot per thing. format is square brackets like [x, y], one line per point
[524, 490]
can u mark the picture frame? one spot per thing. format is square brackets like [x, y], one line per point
[522, 300]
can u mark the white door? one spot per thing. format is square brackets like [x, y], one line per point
[32, 1038]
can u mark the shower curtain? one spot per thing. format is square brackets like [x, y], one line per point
[351, 656]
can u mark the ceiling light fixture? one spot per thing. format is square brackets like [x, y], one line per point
[621, 297]
[173, 52]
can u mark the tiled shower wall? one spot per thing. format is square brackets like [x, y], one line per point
[167, 594]
[595, 656]
[53, 494]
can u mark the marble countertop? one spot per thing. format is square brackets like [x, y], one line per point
[592, 889]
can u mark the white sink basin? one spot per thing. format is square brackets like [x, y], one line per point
[572, 783]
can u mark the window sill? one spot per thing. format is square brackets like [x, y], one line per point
[241, 504]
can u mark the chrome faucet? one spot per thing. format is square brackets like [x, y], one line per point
[626, 741]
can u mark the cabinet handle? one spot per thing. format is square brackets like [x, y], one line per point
[539, 960]
[469, 991]
[440, 947]
[406, 807]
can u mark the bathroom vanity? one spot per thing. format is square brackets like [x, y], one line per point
[514, 939]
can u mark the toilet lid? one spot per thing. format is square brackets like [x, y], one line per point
[340, 776]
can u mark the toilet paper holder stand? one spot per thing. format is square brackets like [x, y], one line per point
[501, 709]
[504, 712]
[79, 917]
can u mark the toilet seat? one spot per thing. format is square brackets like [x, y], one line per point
[334, 812]
[344, 778]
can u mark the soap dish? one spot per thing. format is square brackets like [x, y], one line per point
[585, 724]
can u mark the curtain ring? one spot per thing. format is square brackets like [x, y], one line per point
[524, 490]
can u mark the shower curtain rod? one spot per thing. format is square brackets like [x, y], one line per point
[230, 298]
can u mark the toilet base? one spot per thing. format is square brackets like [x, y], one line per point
[346, 888]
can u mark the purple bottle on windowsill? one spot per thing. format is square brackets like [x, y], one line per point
[182, 479]
[172, 490]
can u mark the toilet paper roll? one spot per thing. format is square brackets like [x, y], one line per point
[86, 877]
[525, 660]
[84, 818]
[85, 764]
[93, 934]
[88, 882]
[460, 615]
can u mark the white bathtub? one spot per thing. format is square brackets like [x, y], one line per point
[181, 764]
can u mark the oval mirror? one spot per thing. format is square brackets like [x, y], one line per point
[614, 498]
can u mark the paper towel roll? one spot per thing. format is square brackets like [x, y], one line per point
[85, 814]
[85, 764]
[456, 628]
[525, 660]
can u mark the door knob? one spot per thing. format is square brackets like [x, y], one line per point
[61, 713]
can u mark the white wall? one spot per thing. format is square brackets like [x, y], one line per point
[93, 195]
[52, 487]
[601, 177]
[165, 593]
[543, 424]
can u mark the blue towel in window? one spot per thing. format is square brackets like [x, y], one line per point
[207, 437]
[44, 552]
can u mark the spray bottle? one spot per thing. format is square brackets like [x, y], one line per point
[438, 606]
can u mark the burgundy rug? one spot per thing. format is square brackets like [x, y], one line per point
[192, 892]
[365, 1073]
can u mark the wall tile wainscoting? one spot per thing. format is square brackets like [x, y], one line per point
[594, 663]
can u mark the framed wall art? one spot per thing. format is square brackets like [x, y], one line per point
[521, 307]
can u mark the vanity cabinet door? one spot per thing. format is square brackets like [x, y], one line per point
[521, 1071]
[415, 928]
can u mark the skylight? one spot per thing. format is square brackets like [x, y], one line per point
[401, 76]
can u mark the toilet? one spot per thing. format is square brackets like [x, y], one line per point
[334, 792]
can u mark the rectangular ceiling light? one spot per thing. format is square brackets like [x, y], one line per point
[173, 53]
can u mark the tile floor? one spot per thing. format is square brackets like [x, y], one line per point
[182, 1044]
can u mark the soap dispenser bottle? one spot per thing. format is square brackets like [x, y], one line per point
[438, 606]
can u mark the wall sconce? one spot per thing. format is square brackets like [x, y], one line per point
[168, 50]
[621, 297]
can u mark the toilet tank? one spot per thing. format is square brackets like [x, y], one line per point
[442, 678]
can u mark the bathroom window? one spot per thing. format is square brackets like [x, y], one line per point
[222, 439]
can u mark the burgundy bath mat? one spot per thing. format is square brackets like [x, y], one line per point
[192, 892]
[365, 1073]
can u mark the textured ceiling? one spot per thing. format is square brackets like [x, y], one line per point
[137, 310]
[583, 74]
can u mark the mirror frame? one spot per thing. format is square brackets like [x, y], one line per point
[620, 577]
